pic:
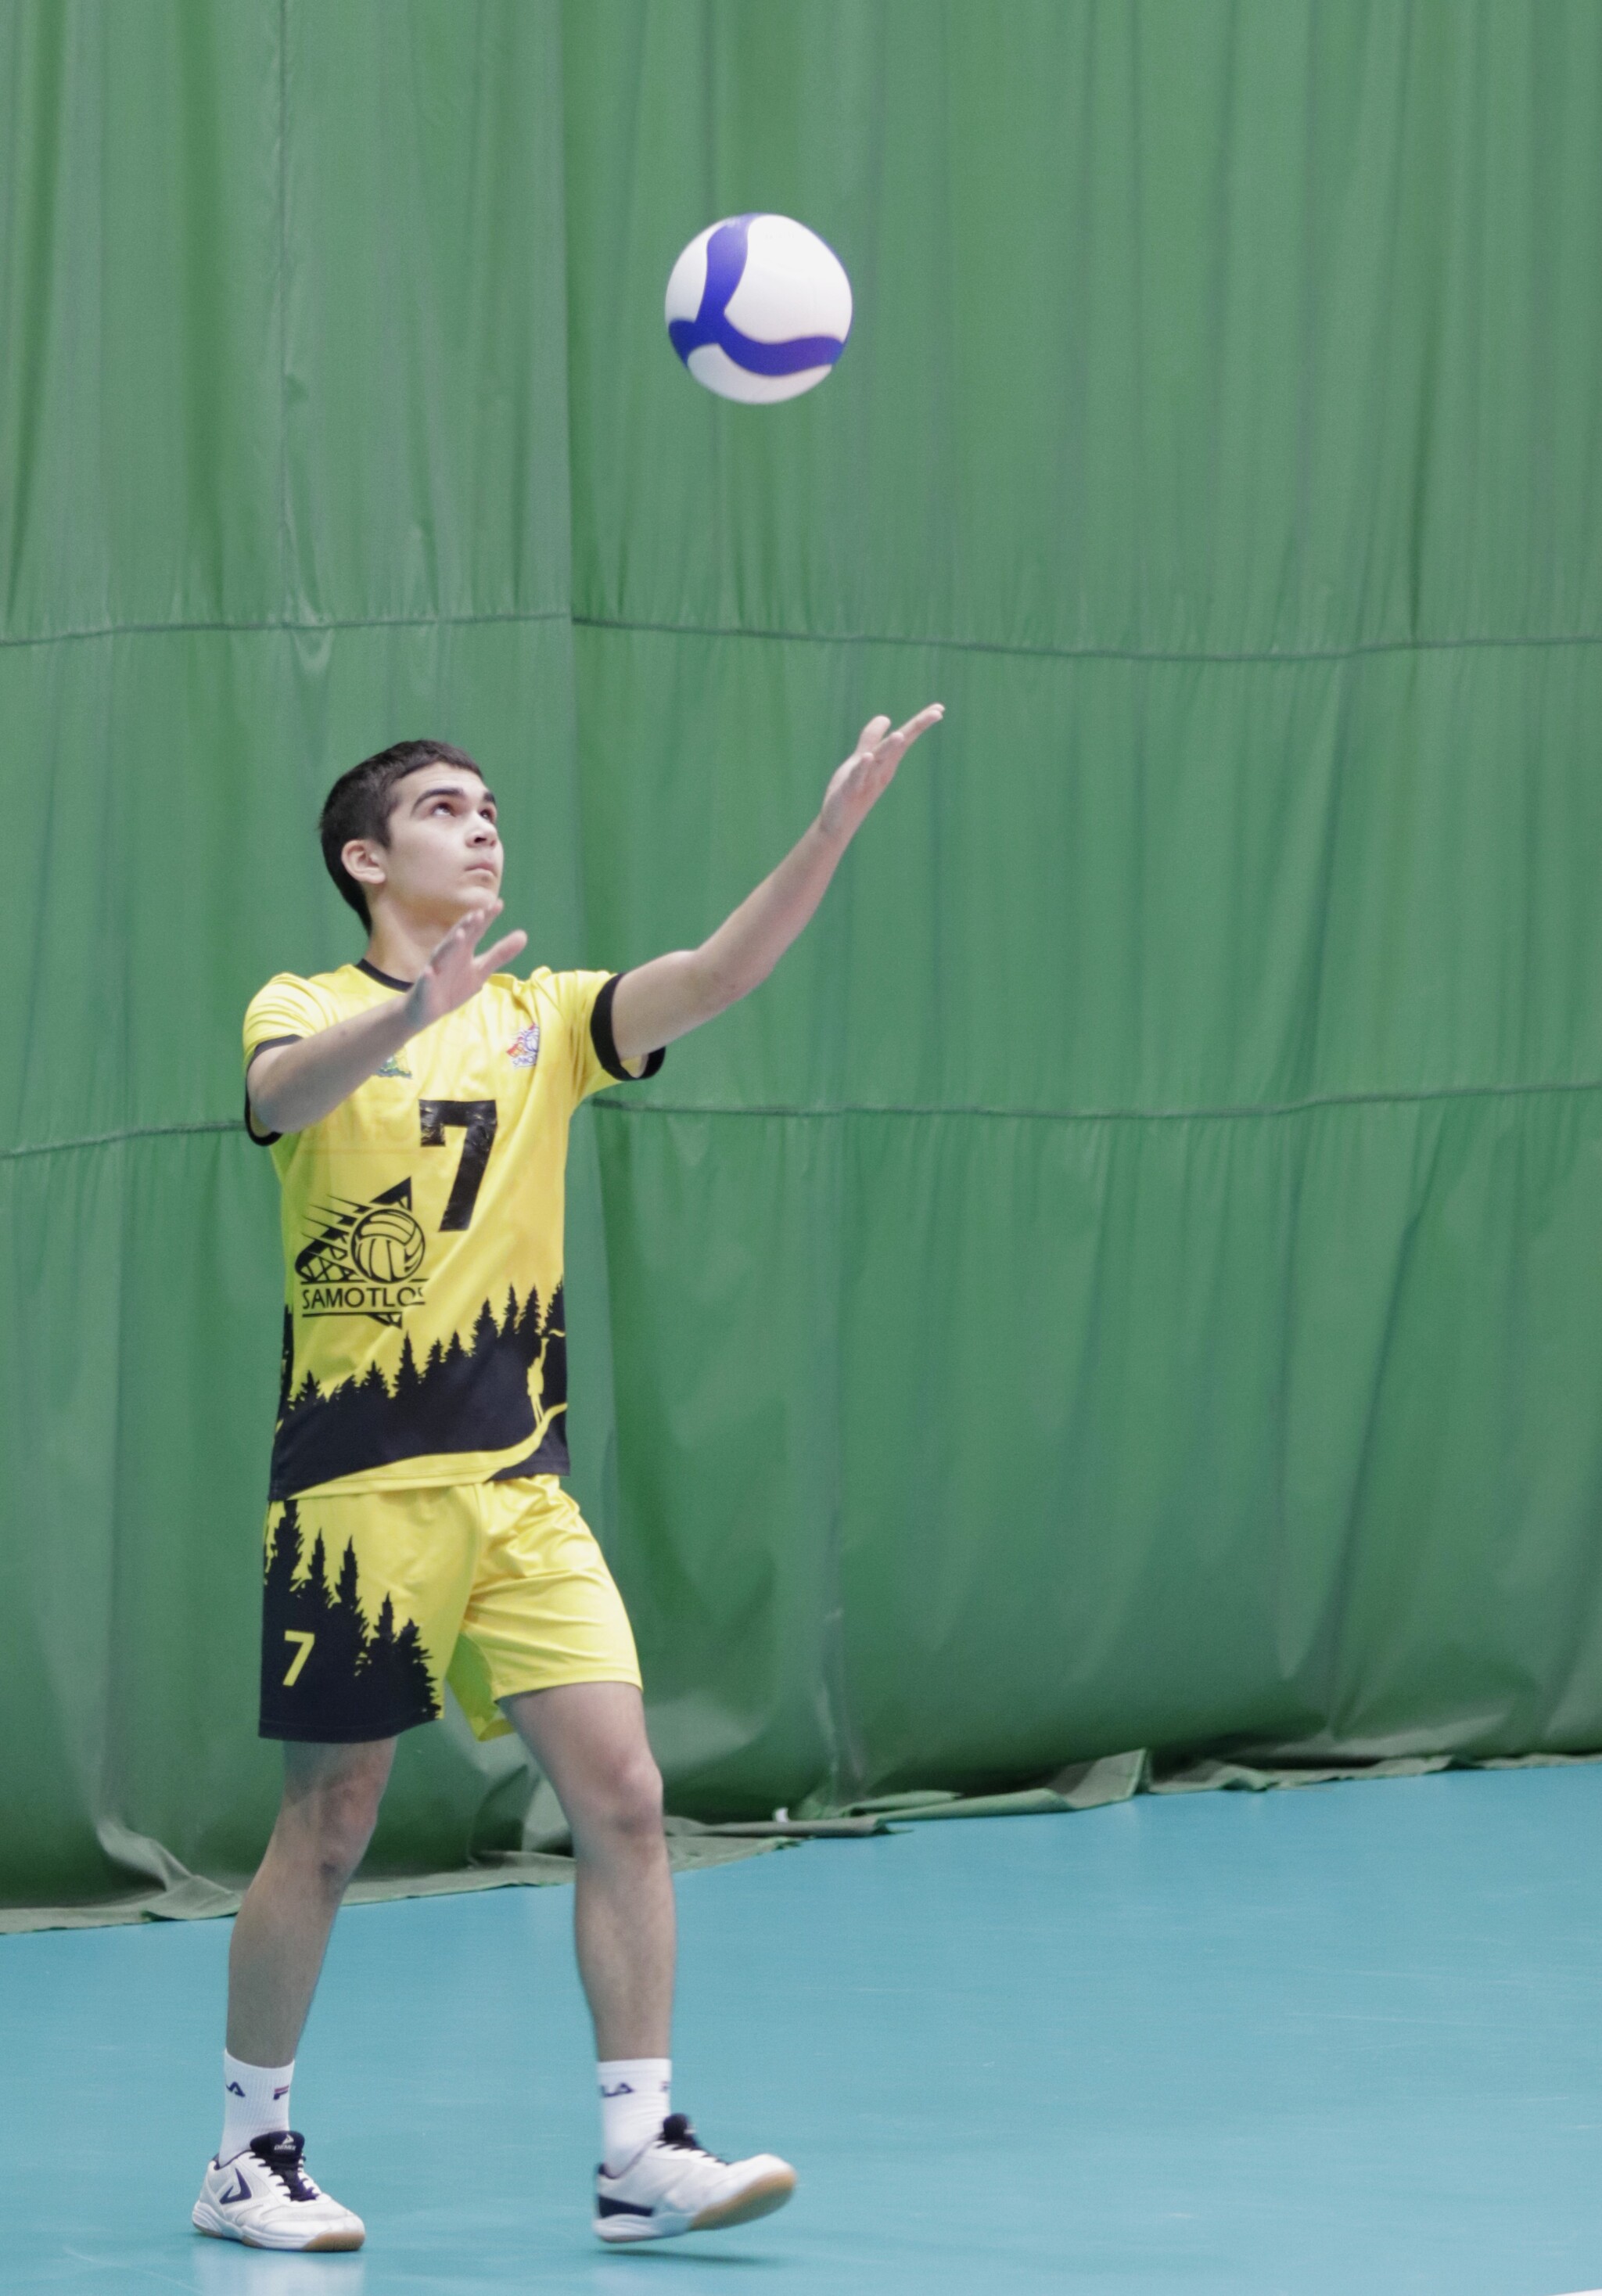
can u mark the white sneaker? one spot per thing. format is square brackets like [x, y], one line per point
[675, 2185]
[265, 2198]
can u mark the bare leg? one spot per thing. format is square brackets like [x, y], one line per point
[590, 1739]
[331, 1798]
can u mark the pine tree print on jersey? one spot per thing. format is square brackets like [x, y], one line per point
[473, 1397]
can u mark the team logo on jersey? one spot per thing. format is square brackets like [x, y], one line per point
[524, 1050]
[394, 1066]
[364, 1259]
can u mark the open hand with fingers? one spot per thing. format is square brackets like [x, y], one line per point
[299, 1081]
[869, 770]
[457, 970]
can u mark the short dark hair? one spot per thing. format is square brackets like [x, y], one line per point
[361, 801]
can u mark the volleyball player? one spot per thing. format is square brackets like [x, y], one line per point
[416, 1104]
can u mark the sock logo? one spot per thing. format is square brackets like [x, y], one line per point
[277, 2092]
[622, 2089]
[234, 2089]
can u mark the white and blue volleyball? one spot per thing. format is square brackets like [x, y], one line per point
[759, 309]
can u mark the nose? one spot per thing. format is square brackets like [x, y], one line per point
[484, 833]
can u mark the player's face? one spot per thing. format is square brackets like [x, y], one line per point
[444, 854]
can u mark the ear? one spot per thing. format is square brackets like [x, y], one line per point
[362, 859]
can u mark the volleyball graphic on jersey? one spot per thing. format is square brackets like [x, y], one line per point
[759, 309]
[387, 1244]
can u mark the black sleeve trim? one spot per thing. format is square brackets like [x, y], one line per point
[262, 1139]
[606, 1044]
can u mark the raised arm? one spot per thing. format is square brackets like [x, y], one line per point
[671, 995]
[292, 1086]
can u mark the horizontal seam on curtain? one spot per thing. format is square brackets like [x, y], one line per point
[869, 1107]
[1117, 1115]
[112, 1139]
[229, 629]
[1277, 658]
[1092, 652]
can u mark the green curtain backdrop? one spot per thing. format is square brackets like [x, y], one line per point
[1134, 1276]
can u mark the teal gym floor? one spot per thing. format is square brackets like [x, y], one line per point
[1343, 2041]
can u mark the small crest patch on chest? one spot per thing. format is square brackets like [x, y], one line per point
[394, 1066]
[524, 1050]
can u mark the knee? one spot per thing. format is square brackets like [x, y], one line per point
[334, 1825]
[343, 1828]
[626, 1802]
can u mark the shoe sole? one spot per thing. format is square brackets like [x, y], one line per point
[757, 2200]
[326, 2243]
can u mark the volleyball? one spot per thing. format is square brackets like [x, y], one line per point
[759, 309]
[387, 1244]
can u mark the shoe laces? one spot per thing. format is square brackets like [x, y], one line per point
[281, 2155]
[677, 2136]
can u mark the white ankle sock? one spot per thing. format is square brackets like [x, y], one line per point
[635, 2101]
[255, 2102]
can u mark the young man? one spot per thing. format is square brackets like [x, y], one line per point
[417, 1107]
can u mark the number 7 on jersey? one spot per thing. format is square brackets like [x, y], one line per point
[475, 1120]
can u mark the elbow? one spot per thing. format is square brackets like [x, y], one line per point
[265, 1116]
[266, 1097]
[723, 985]
[268, 1108]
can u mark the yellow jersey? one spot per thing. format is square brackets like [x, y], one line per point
[423, 1332]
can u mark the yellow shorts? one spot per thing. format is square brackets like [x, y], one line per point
[374, 1598]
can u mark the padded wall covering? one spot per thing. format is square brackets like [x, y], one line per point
[1134, 1276]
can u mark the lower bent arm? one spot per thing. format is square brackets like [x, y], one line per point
[747, 945]
[671, 995]
[291, 1086]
